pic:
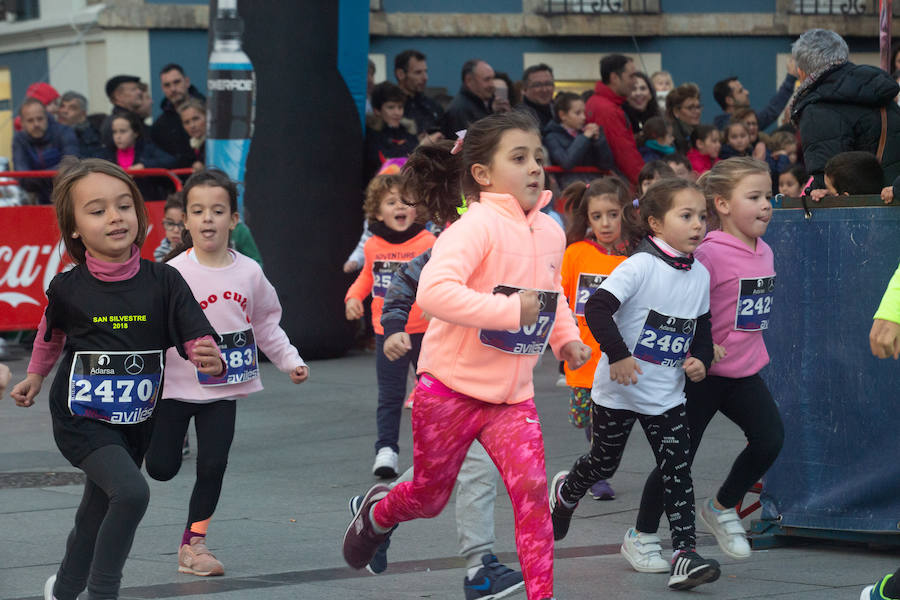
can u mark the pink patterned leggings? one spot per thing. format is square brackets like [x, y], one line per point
[444, 424]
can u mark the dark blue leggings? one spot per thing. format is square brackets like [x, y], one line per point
[392, 390]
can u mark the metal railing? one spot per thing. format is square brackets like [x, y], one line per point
[838, 8]
[599, 7]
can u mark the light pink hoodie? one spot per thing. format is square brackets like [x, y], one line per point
[729, 260]
[494, 243]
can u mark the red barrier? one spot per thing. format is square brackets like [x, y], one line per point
[554, 169]
[31, 253]
[170, 174]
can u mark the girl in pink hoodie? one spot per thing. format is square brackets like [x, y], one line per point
[742, 287]
[493, 288]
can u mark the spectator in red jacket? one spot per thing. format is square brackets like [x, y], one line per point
[605, 109]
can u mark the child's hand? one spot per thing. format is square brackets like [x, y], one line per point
[719, 352]
[205, 356]
[576, 354]
[759, 151]
[591, 130]
[625, 371]
[887, 194]
[353, 309]
[4, 378]
[351, 266]
[397, 345]
[694, 369]
[25, 391]
[817, 195]
[529, 307]
[299, 374]
[884, 339]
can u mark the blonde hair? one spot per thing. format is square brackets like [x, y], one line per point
[71, 171]
[378, 188]
[725, 175]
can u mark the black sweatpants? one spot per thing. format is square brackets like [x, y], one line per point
[670, 441]
[748, 403]
[214, 424]
[114, 501]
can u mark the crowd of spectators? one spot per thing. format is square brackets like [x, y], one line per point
[825, 106]
[50, 126]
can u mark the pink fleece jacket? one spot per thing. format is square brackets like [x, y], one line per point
[494, 243]
[729, 260]
[233, 298]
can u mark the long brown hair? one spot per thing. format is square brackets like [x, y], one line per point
[71, 171]
[577, 199]
[659, 199]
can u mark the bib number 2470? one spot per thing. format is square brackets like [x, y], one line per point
[117, 387]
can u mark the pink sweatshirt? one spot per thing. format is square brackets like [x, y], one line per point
[45, 354]
[735, 324]
[234, 298]
[494, 243]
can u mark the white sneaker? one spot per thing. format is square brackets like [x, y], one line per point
[48, 588]
[385, 465]
[866, 594]
[726, 526]
[561, 381]
[644, 552]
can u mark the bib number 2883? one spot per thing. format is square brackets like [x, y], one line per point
[117, 387]
[241, 360]
[530, 339]
[664, 340]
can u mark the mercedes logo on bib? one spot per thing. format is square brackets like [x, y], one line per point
[134, 364]
[240, 339]
[688, 326]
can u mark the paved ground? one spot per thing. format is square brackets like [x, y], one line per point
[300, 452]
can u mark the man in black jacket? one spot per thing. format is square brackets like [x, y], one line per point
[473, 101]
[839, 106]
[167, 131]
[537, 93]
[411, 72]
[73, 113]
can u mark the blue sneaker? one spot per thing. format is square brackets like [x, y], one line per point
[379, 562]
[493, 581]
[876, 592]
[602, 491]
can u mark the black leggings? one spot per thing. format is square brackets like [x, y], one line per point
[214, 424]
[114, 501]
[748, 403]
[669, 439]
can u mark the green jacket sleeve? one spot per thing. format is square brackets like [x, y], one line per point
[890, 303]
[242, 241]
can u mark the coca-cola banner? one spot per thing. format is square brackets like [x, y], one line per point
[31, 253]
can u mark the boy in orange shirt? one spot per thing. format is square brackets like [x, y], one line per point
[396, 239]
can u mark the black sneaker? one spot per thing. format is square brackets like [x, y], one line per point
[492, 581]
[559, 513]
[379, 562]
[689, 570]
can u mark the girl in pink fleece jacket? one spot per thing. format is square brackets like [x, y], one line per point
[493, 288]
[243, 308]
[742, 287]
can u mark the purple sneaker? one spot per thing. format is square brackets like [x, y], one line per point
[360, 540]
[602, 491]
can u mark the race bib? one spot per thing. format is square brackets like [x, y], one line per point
[754, 304]
[241, 360]
[116, 387]
[531, 339]
[383, 273]
[664, 340]
[588, 283]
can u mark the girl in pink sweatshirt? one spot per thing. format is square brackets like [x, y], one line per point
[243, 308]
[493, 289]
[742, 287]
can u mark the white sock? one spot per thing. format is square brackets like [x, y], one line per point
[378, 528]
[472, 572]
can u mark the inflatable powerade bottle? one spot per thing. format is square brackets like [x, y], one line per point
[231, 85]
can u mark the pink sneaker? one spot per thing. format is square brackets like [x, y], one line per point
[196, 559]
